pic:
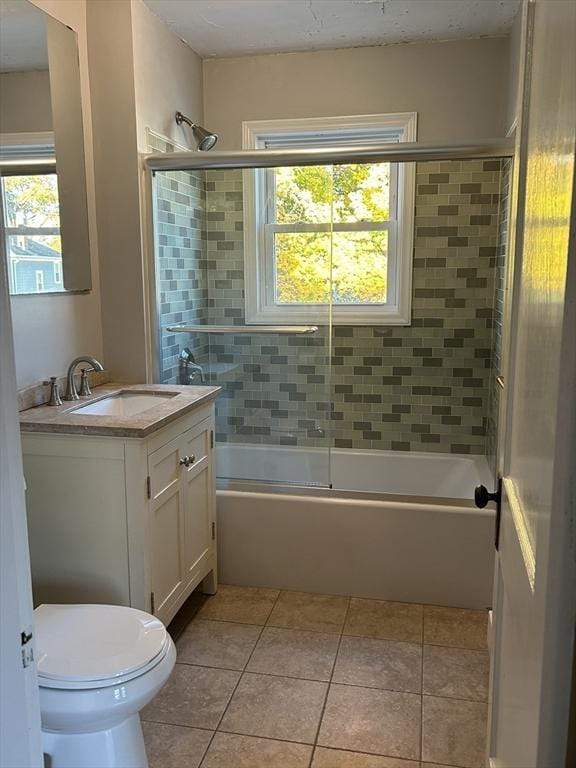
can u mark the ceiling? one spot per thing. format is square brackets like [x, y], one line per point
[22, 37]
[223, 28]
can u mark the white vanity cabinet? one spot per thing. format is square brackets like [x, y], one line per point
[127, 521]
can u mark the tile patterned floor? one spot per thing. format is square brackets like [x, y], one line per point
[270, 679]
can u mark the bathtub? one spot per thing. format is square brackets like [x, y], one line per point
[393, 526]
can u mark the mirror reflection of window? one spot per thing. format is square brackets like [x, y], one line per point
[43, 215]
[31, 219]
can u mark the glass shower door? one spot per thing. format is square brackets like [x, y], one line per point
[273, 414]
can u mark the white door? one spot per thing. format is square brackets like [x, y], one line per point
[166, 531]
[20, 742]
[181, 516]
[535, 587]
[198, 499]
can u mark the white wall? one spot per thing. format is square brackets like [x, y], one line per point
[50, 330]
[32, 114]
[167, 77]
[141, 75]
[117, 187]
[458, 88]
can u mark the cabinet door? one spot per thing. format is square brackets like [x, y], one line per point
[198, 495]
[166, 526]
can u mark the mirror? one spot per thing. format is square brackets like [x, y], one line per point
[43, 206]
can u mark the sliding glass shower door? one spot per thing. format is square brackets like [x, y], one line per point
[351, 314]
[219, 281]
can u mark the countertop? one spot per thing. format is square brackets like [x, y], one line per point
[63, 419]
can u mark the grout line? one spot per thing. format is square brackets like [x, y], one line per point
[346, 634]
[400, 760]
[267, 738]
[330, 682]
[242, 672]
[236, 686]
[284, 741]
[458, 647]
[454, 698]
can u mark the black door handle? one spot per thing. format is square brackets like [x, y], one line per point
[482, 496]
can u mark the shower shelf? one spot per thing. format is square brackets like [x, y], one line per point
[236, 329]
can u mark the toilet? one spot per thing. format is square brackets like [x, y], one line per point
[98, 666]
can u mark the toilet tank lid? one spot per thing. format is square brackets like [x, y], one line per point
[94, 642]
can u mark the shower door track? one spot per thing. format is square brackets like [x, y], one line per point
[325, 491]
[269, 158]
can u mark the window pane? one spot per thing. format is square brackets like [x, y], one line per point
[358, 274]
[361, 192]
[304, 194]
[31, 201]
[29, 255]
[360, 267]
[302, 268]
[340, 193]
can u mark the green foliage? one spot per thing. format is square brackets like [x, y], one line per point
[348, 266]
[32, 201]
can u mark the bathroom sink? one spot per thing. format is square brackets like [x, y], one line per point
[124, 404]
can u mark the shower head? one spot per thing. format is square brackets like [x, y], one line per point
[204, 139]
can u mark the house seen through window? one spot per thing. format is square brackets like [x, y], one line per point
[329, 235]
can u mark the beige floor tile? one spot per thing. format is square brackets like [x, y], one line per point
[434, 765]
[379, 664]
[276, 707]
[231, 751]
[294, 653]
[456, 672]
[386, 620]
[368, 720]
[454, 732]
[456, 627]
[247, 605]
[302, 610]
[172, 746]
[194, 696]
[217, 644]
[337, 758]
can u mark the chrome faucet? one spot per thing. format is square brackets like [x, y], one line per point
[71, 391]
[188, 368]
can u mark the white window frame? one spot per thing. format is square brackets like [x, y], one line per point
[259, 225]
[24, 152]
[57, 267]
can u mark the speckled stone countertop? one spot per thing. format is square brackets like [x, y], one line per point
[63, 419]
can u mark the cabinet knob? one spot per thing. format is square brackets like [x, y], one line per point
[187, 461]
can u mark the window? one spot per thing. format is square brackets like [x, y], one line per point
[30, 213]
[332, 234]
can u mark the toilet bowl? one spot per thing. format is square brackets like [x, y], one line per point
[98, 666]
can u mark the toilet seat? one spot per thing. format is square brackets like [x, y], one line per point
[95, 646]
